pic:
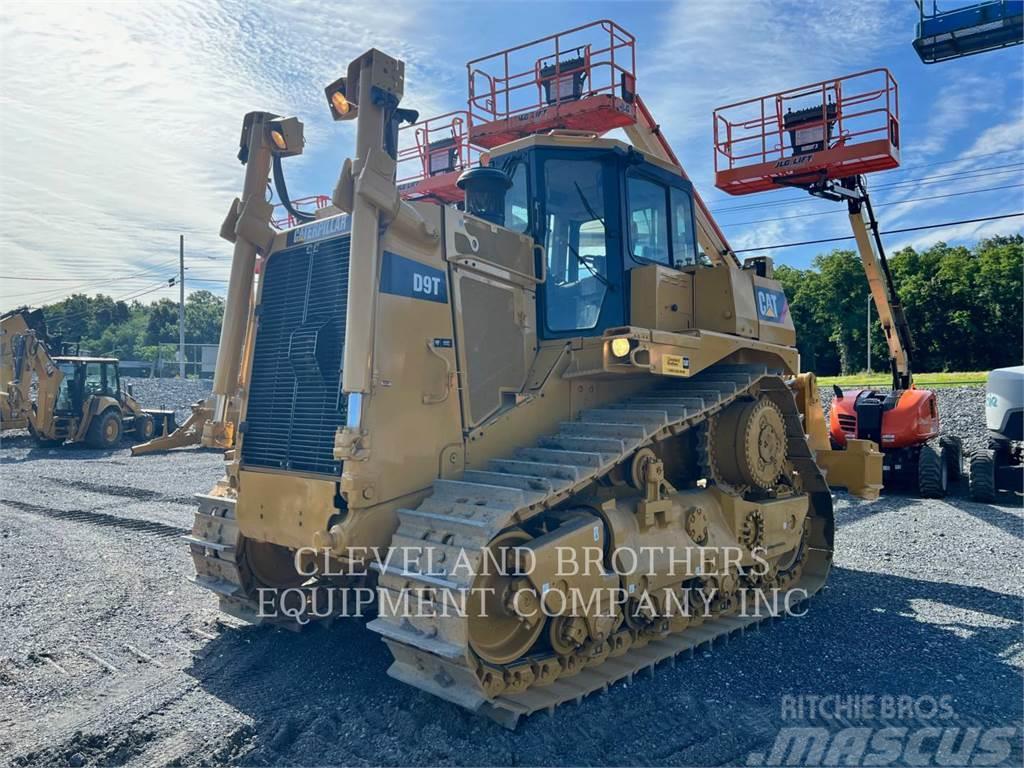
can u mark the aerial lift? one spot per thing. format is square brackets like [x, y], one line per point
[968, 30]
[824, 138]
[547, 367]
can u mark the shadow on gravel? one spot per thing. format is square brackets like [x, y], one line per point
[68, 451]
[1000, 518]
[323, 696]
[858, 509]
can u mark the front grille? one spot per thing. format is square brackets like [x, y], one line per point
[295, 401]
[848, 423]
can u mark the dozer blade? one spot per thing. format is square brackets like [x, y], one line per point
[189, 433]
[858, 468]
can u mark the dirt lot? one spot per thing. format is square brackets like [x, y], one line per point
[109, 656]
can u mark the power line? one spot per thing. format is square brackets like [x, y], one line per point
[51, 295]
[886, 232]
[877, 205]
[146, 271]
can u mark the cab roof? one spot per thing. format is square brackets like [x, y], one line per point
[572, 140]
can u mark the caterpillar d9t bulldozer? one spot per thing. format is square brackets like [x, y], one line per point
[458, 403]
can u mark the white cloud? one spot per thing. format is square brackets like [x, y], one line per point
[122, 123]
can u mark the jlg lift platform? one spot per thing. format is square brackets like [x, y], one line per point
[429, 166]
[581, 79]
[823, 138]
[829, 130]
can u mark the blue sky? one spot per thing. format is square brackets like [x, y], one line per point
[122, 119]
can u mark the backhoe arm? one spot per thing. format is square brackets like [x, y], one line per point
[645, 134]
[883, 291]
[30, 355]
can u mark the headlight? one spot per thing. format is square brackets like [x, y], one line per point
[620, 346]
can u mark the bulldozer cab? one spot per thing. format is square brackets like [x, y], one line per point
[600, 213]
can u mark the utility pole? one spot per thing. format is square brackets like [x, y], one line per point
[869, 332]
[181, 306]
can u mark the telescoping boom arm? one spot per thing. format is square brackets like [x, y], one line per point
[876, 268]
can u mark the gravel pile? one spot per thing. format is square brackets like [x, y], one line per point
[178, 394]
[961, 413]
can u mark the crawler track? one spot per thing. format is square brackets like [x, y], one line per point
[432, 652]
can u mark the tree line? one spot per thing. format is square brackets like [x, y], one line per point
[135, 331]
[963, 305]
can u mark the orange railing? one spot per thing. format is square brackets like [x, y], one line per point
[859, 110]
[547, 74]
[431, 151]
[287, 221]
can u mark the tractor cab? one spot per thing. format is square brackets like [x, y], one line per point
[91, 405]
[601, 210]
[86, 377]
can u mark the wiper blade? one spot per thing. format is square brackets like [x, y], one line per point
[587, 205]
[590, 268]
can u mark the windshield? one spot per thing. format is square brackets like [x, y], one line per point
[576, 243]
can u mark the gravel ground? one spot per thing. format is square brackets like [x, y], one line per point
[108, 656]
[178, 394]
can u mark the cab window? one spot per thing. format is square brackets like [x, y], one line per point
[648, 224]
[576, 244]
[111, 380]
[517, 205]
[65, 393]
[684, 248]
[94, 384]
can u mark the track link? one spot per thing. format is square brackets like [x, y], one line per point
[431, 647]
[216, 545]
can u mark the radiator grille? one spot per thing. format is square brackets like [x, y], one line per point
[295, 401]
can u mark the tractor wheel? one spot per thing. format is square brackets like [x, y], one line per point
[145, 428]
[983, 475]
[932, 472]
[954, 450]
[105, 430]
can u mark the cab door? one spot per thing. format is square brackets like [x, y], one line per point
[578, 224]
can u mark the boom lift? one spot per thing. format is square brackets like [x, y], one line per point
[549, 368]
[823, 138]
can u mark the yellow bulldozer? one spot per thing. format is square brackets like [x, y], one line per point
[67, 397]
[451, 400]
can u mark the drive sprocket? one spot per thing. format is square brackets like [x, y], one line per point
[746, 445]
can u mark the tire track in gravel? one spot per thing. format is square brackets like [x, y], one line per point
[127, 492]
[91, 517]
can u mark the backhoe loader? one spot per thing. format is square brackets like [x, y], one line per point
[61, 398]
[572, 363]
